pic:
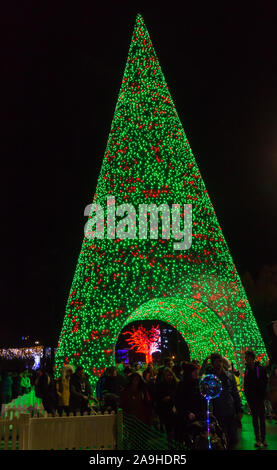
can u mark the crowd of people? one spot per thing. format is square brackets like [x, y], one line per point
[14, 384]
[172, 395]
[168, 397]
[165, 397]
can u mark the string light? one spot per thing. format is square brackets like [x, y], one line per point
[35, 353]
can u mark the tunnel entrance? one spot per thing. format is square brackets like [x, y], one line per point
[199, 327]
[170, 343]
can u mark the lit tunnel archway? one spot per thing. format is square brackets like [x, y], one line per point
[200, 327]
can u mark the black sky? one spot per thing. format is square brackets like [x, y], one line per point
[62, 69]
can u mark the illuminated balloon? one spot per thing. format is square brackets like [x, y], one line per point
[210, 386]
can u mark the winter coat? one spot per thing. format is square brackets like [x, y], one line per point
[164, 389]
[189, 400]
[79, 387]
[112, 385]
[47, 387]
[228, 403]
[63, 391]
[255, 383]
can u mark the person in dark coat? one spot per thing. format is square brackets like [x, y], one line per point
[165, 401]
[15, 385]
[80, 392]
[190, 404]
[255, 389]
[46, 384]
[227, 408]
[112, 387]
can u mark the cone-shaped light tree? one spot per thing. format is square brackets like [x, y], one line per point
[119, 279]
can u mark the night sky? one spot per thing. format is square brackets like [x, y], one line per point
[62, 67]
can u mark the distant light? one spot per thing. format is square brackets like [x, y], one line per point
[37, 362]
[36, 342]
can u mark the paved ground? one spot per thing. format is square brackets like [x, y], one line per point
[247, 437]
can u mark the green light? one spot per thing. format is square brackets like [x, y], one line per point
[148, 160]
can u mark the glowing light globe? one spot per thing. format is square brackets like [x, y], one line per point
[210, 386]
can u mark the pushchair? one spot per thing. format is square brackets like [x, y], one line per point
[197, 435]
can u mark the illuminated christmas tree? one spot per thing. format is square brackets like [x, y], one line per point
[144, 341]
[148, 160]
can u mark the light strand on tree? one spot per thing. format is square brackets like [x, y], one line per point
[148, 159]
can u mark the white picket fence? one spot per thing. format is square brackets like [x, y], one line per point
[94, 432]
[10, 413]
[11, 432]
